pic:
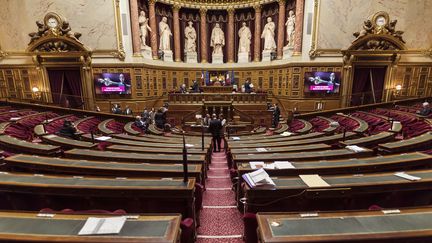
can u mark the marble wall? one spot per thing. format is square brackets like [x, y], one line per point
[95, 19]
[339, 19]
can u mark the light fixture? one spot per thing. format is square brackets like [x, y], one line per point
[35, 89]
[398, 87]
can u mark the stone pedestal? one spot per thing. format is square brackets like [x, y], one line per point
[266, 55]
[168, 56]
[288, 52]
[243, 57]
[191, 57]
[217, 58]
[146, 52]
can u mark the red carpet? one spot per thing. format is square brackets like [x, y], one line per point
[220, 219]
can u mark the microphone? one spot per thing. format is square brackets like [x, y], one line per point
[344, 134]
[92, 136]
[185, 168]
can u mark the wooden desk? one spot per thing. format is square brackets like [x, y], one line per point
[161, 139]
[416, 143]
[143, 195]
[329, 129]
[300, 156]
[307, 126]
[102, 126]
[28, 227]
[16, 145]
[274, 138]
[38, 164]
[128, 128]
[363, 126]
[345, 192]
[372, 140]
[410, 225]
[326, 139]
[311, 147]
[154, 150]
[67, 143]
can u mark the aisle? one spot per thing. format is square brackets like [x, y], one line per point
[220, 219]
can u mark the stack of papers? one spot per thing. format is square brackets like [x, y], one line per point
[260, 164]
[102, 226]
[258, 178]
[408, 177]
[235, 138]
[286, 134]
[261, 149]
[103, 138]
[283, 165]
[314, 181]
[355, 148]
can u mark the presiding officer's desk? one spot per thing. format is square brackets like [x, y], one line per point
[407, 225]
[346, 192]
[135, 195]
[29, 227]
[40, 164]
[326, 139]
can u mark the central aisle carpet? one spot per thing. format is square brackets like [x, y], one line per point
[220, 219]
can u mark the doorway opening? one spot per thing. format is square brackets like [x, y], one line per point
[368, 85]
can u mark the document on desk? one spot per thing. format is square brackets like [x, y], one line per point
[314, 181]
[102, 226]
[256, 164]
[283, 165]
[355, 148]
[258, 178]
[103, 138]
[235, 138]
[286, 134]
[407, 176]
[261, 149]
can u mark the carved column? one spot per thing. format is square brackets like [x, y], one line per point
[203, 41]
[298, 38]
[153, 26]
[136, 34]
[230, 42]
[257, 41]
[177, 45]
[281, 29]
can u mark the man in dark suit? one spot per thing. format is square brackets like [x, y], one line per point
[276, 115]
[215, 128]
[68, 130]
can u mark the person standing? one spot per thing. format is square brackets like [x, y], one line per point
[276, 115]
[215, 128]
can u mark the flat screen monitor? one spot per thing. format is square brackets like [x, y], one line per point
[322, 82]
[112, 83]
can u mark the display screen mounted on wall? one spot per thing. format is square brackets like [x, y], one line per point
[322, 82]
[112, 83]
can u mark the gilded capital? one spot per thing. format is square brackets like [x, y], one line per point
[230, 10]
[203, 11]
[176, 7]
[152, 2]
[281, 2]
[257, 8]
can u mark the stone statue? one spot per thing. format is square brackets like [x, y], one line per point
[268, 35]
[290, 28]
[164, 35]
[144, 28]
[245, 36]
[217, 40]
[190, 38]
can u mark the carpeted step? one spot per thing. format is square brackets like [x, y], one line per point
[218, 198]
[221, 222]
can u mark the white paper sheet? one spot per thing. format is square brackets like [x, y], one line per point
[261, 149]
[314, 181]
[408, 177]
[283, 165]
[256, 164]
[102, 226]
[103, 138]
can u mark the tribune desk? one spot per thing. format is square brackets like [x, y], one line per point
[345, 192]
[409, 225]
[29, 227]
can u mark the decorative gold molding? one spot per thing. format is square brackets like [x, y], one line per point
[216, 4]
[120, 53]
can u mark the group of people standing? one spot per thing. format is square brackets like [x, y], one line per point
[116, 109]
[216, 126]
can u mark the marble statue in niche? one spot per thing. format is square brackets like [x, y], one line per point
[165, 35]
[144, 28]
[191, 56]
[268, 35]
[217, 41]
[190, 38]
[245, 36]
[290, 28]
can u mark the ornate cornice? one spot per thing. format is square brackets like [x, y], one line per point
[216, 4]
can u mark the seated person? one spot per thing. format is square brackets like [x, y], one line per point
[183, 89]
[141, 123]
[425, 110]
[116, 109]
[128, 111]
[68, 130]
